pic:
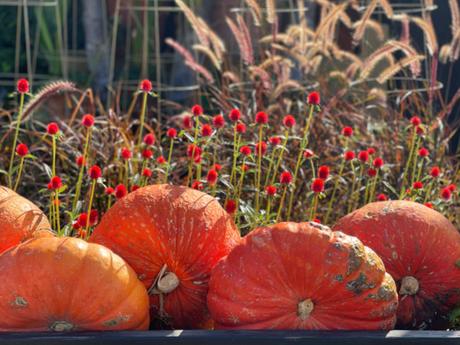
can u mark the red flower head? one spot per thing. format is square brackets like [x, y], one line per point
[193, 151]
[197, 110]
[261, 118]
[76, 226]
[317, 221]
[347, 132]
[146, 85]
[147, 172]
[435, 172]
[197, 185]
[382, 197]
[245, 167]
[363, 156]
[187, 122]
[234, 115]
[149, 139]
[415, 120]
[270, 190]
[22, 86]
[206, 130]
[82, 220]
[245, 150]
[317, 185]
[22, 150]
[371, 172]
[147, 154]
[171, 133]
[120, 191]
[371, 151]
[126, 153]
[135, 187]
[88, 120]
[218, 121]
[55, 182]
[417, 185]
[49, 186]
[314, 98]
[378, 163]
[261, 147]
[52, 128]
[80, 160]
[275, 141]
[230, 206]
[446, 193]
[94, 172]
[197, 159]
[423, 152]
[93, 217]
[82, 233]
[428, 204]
[419, 130]
[212, 177]
[285, 177]
[323, 172]
[289, 121]
[217, 167]
[349, 156]
[308, 153]
[109, 190]
[240, 128]
[452, 187]
[161, 160]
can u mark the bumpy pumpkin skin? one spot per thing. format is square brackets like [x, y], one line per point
[420, 249]
[302, 276]
[180, 230]
[19, 219]
[67, 284]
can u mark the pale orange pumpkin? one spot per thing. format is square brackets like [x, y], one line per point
[19, 219]
[67, 284]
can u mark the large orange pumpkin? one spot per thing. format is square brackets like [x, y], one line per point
[67, 284]
[420, 249]
[172, 236]
[19, 219]
[302, 276]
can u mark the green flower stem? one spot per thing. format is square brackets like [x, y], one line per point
[90, 204]
[171, 146]
[109, 202]
[239, 186]
[235, 153]
[57, 210]
[268, 209]
[314, 206]
[259, 168]
[143, 111]
[18, 178]
[51, 211]
[280, 157]
[408, 163]
[428, 191]
[353, 186]
[280, 208]
[355, 196]
[15, 140]
[126, 173]
[415, 164]
[82, 169]
[53, 166]
[191, 160]
[334, 190]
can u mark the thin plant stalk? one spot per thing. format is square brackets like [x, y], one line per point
[408, 163]
[82, 169]
[190, 164]
[18, 178]
[355, 196]
[353, 186]
[278, 161]
[57, 210]
[314, 206]
[280, 208]
[259, 168]
[171, 146]
[90, 204]
[142, 119]
[53, 166]
[15, 140]
[373, 187]
[334, 190]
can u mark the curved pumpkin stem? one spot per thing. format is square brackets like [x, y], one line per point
[168, 283]
[305, 308]
[409, 286]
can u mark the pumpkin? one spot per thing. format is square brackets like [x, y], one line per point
[302, 276]
[67, 284]
[172, 236]
[19, 219]
[420, 249]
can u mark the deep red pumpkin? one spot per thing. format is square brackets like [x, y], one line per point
[172, 236]
[302, 276]
[420, 249]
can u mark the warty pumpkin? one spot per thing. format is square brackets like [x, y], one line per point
[19, 219]
[301, 276]
[420, 249]
[67, 284]
[172, 236]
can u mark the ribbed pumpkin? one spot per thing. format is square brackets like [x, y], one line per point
[172, 236]
[67, 284]
[19, 219]
[420, 249]
[302, 276]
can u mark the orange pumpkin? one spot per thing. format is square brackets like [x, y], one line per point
[19, 219]
[420, 249]
[172, 236]
[67, 284]
[302, 276]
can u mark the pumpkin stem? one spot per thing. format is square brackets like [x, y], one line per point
[409, 286]
[168, 283]
[305, 308]
[61, 326]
